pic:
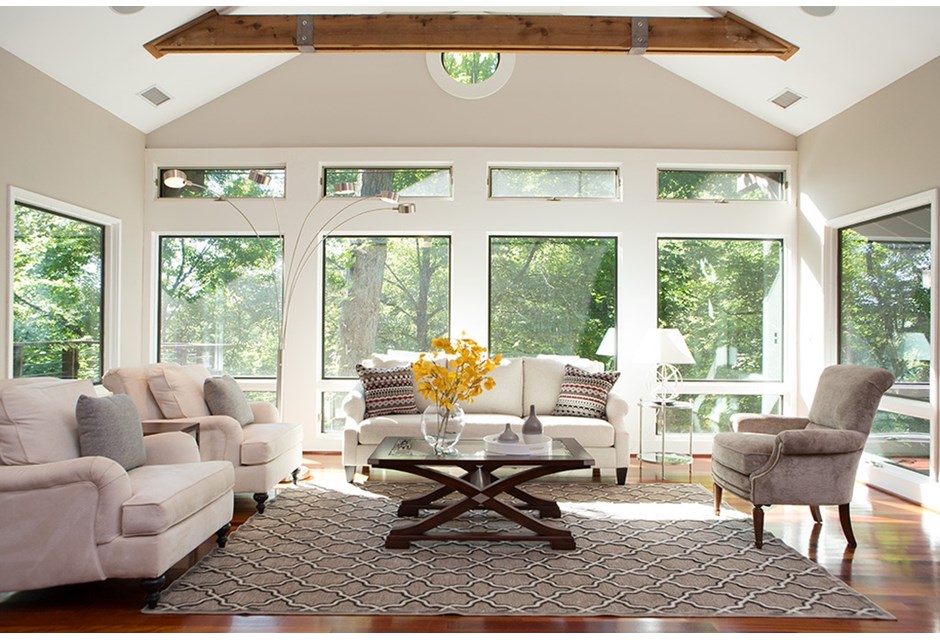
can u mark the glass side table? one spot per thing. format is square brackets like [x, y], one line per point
[660, 420]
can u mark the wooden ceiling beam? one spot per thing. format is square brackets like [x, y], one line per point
[216, 33]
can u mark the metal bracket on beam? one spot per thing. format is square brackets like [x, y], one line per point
[640, 35]
[305, 34]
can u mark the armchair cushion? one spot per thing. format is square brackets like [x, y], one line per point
[179, 391]
[110, 427]
[37, 422]
[584, 394]
[224, 397]
[742, 452]
[388, 391]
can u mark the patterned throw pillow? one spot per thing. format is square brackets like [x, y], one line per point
[388, 391]
[584, 394]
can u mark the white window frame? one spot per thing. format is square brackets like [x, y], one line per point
[111, 280]
[581, 166]
[717, 168]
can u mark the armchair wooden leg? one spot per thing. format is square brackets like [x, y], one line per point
[260, 499]
[847, 525]
[221, 536]
[717, 490]
[152, 587]
[817, 516]
[294, 474]
[621, 475]
[758, 514]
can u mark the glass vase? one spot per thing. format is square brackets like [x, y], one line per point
[442, 428]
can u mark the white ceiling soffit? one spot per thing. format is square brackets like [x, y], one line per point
[843, 57]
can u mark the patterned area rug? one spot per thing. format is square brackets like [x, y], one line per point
[648, 550]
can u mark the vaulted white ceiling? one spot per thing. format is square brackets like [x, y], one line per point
[843, 57]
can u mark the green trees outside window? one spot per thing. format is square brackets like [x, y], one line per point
[412, 182]
[382, 293]
[231, 183]
[220, 303]
[681, 184]
[58, 295]
[553, 182]
[470, 67]
[552, 295]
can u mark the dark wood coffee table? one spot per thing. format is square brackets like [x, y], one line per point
[480, 488]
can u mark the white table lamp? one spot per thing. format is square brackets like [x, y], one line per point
[664, 348]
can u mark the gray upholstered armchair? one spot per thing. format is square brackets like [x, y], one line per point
[809, 461]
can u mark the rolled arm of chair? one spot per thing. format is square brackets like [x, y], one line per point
[354, 404]
[171, 448]
[220, 438]
[617, 409]
[766, 423]
[820, 442]
[264, 412]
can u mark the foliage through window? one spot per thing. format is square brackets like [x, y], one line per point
[470, 67]
[711, 413]
[58, 295]
[552, 295]
[220, 303]
[726, 297]
[553, 182]
[681, 184]
[407, 182]
[231, 183]
[382, 293]
[885, 298]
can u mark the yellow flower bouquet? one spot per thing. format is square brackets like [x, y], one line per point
[463, 375]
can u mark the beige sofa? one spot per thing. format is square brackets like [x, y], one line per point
[520, 382]
[263, 452]
[70, 519]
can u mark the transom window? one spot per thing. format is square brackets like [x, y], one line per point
[58, 295]
[470, 67]
[228, 182]
[686, 184]
[353, 182]
[554, 182]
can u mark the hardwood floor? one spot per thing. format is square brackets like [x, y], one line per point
[896, 564]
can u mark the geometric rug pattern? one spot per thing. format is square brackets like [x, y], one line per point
[649, 550]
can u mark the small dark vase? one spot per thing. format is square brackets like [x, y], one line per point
[532, 425]
[508, 435]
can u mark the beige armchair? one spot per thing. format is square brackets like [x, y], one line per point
[808, 461]
[70, 519]
[263, 451]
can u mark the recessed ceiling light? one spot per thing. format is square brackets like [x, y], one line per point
[786, 99]
[154, 95]
[125, 11]
[819, 12]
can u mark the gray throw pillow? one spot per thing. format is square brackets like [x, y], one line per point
[110, 427]
[225, 398]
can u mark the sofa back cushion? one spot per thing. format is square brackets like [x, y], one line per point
[37, 421]
[178, 391]
[134, 382]
[542, 378]
[506, 396]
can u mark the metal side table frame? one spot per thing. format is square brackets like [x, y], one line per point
[663, 457]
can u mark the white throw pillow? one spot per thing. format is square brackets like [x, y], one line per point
[179, 391]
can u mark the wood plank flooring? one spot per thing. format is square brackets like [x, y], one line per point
[897, 565]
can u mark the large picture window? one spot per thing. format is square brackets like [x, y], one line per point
[220, 303]
[58, 295]
[382, 293]
[552, 295]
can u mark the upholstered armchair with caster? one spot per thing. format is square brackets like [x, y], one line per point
[811, 461]
[262, 449]
[70, 516]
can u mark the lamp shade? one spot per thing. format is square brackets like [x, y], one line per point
[663, 346]
[608, 346]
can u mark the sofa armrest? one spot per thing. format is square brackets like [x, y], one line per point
[91, 484]
[220, 438]
[617, 409]
[766, 423]
[354, 404]
[820, 442]
[171, 448]
[264, 412]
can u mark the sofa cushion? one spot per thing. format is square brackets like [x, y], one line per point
[591, 366]
[225, 398]
[388, 391]
[110, 427]
[372, 430]
[165, 495]
[134, 381]
[262, 442]
[584, 394]
[589, 432]
[542, 378]
[505, 396]
[37, 421]
[179, 391]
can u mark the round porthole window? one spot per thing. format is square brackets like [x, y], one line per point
[470, 74]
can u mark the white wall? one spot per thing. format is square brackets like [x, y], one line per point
[469, 218]
[61, 146]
